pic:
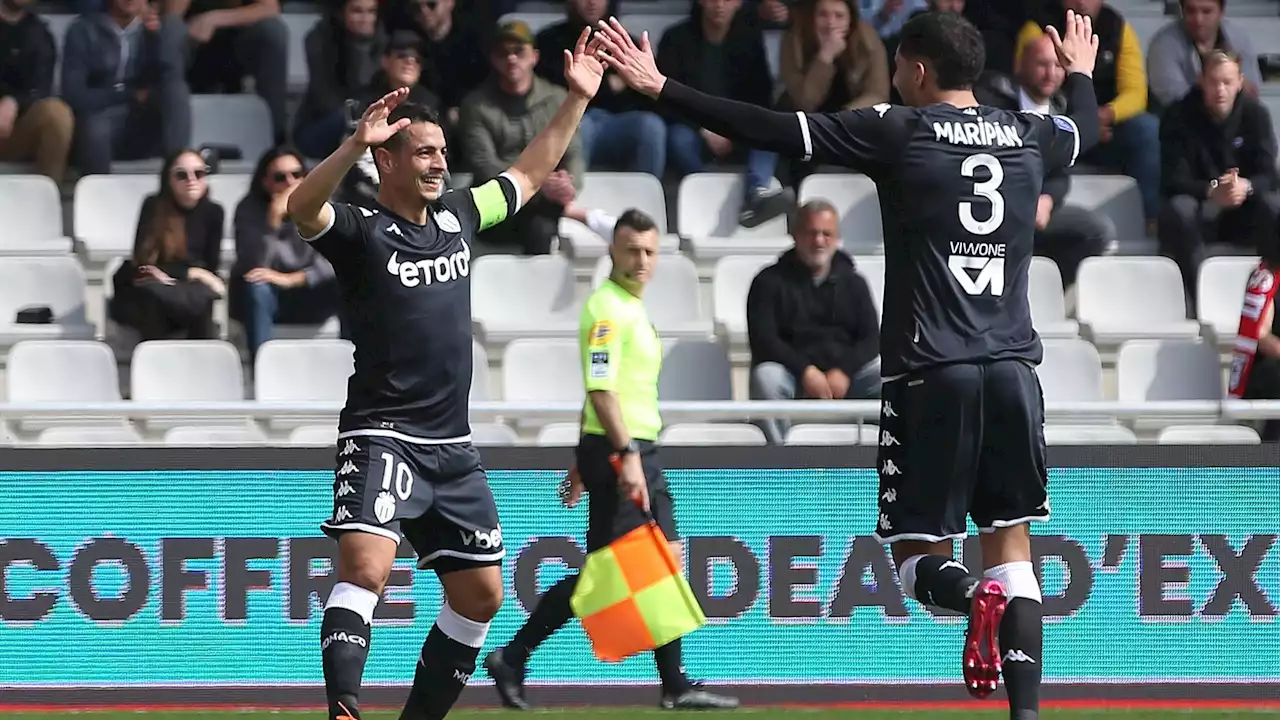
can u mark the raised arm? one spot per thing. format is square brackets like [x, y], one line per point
[582, 72]
[309, 207]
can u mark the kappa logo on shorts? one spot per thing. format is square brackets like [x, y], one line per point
[481, 539]
[384, 508]
[342, 514]
[884, 522]
[887, 439]
[349, 448]
[890, 468]
[344, 490]
[887, 410]
[890, 496]
[347, 468]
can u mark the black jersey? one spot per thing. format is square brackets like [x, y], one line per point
[407, 295]
[958, 195]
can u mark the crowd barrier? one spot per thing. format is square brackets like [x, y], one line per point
[191, 571]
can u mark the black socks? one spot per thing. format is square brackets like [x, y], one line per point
[551, 613]
[1021, 640]
[344, 647]
[444, 668]
[943, 582]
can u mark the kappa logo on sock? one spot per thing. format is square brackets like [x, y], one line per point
[342, 636]
[1018, 656]
[461, 677]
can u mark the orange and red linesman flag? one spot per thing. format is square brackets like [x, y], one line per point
[631, 596]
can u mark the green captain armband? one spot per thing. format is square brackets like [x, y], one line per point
[496, 200]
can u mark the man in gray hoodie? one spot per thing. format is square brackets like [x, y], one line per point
[1173, 58]
[122, 74]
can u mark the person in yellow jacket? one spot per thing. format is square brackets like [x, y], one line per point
[617, 458]
[1130, 133]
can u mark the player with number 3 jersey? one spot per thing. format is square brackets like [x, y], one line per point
[962, 414]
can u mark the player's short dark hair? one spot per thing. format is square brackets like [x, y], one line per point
[951, 46]
[415, 113]
[636, 220]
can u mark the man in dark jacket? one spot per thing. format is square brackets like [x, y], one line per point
[122, 74]
[620, 130]
[720, 52]
[1065, 234]
[34, 126]
[811, 321]
[1218, 156]
[343, 51]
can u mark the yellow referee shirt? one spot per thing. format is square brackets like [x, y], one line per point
[621, 353]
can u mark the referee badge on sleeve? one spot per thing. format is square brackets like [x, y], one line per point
[599, 365]
[600, 336]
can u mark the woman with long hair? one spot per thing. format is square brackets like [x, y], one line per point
[168, 287]
[277, 277]
[832, 60]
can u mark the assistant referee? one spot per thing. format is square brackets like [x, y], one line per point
[621, 361]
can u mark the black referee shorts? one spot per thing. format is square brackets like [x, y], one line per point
[610, 513]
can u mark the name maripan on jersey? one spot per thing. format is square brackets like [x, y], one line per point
[444, 268]
[978, 133]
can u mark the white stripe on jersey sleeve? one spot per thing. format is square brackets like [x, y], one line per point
[808, 139]
[1075, 138]
[333, 218]
[511, 179]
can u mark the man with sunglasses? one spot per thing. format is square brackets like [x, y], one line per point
[405, 465]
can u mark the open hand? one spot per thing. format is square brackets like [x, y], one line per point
[634, 64]
[373, 128]
[583, 71]
[1077, 46]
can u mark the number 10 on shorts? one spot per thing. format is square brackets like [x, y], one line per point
[384, 508]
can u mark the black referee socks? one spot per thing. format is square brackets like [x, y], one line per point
[552, 612]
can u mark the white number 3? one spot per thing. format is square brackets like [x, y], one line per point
[988, 190]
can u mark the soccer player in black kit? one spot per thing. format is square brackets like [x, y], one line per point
[405, 466]
[962, 414]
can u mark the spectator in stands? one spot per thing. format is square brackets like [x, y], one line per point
[811, 321]
[454, 62]
[34, 125]
[1174, 55]
[888, 19]
[1065, 234]
[1218, 149]
[719, 52]
[343, 51]
[891, 40]
[232, 39]
[277, 276]
[401, 68]
[167, 288]
[122, 75]
[1130, 135]
[619, 131]
[771, 14]
[499, 119]
[832, 60]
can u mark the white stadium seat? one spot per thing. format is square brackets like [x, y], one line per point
[820, 434]
[1220, 296]
[542, 371]
[1070, 372]
[707, 213]
[673, 297]
[32, 208]
[90, 436]
[858, 203]
[871, 268]
[493, 434]
[696, 370]
[56, 283]
[241, 121]
[1124, 298]
[314, 435]
[106, 209]
[480, 389]
[186, 372]
[303, 370]
[562, 434]
[614, 193]
[40, 371]
[1115, 197]
[205, 436]
[730, 283]
[1088, 435]
[513, 297]
[228, 189]
[1048, 302]
[712, 434]
[299, 25]
[1168, 370]
[1208, 435]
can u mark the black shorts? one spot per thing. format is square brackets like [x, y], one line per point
[961, 439]
[610, 513]
[435, 496]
